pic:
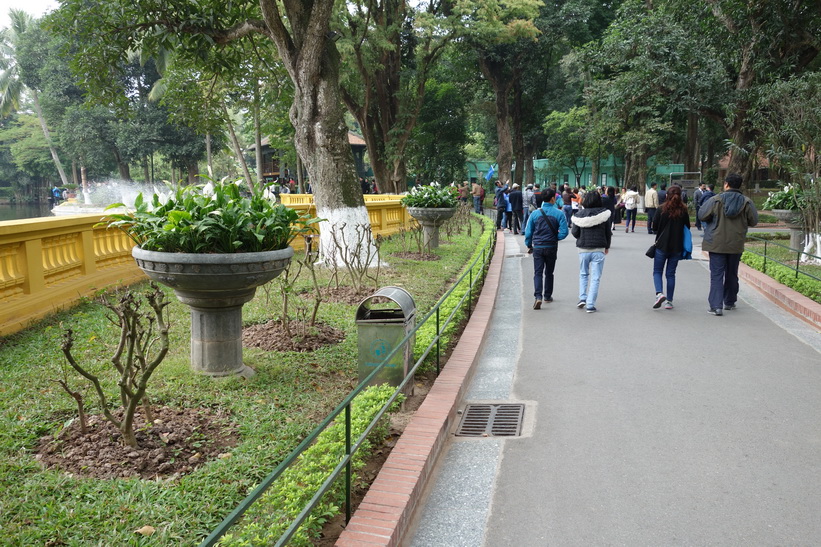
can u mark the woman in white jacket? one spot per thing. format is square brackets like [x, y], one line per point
[631, 207]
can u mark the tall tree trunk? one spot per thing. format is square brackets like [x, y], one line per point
[146, 174]
[193, 171]
[530, 173]
[501, 83]
[321, 136]
[238, 149]
[57, 163]
[209, 156]
[257, 135]
[691, 148]
[518, 136]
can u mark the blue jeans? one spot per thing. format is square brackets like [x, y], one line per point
[568, 212]
[477, 204]
[590, 269]
[544, 262]
[723, 280]
[630, 214]
[651, 213]
[525, 216]
[658, 266]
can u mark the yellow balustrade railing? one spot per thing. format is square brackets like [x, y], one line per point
[47, 264]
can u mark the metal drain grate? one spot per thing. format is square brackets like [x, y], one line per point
[484, 420]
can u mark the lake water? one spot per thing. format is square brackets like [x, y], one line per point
[17, 211]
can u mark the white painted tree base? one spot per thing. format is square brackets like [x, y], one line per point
[343, 222]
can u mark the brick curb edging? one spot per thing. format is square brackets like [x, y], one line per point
[791, 300]
[384, 515]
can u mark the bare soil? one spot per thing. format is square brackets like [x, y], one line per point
[176, 443]
[303, 337]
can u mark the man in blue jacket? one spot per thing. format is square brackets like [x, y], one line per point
[545, 228]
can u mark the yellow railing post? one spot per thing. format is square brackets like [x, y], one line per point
[35, 279]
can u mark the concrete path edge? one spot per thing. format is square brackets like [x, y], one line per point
[385, 514]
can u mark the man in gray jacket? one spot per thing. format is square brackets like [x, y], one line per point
[726, 218]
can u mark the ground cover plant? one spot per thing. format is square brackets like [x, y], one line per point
[802, 282]
[268, 416]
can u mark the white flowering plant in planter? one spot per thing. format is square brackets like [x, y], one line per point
[431, 196]
[789, 197]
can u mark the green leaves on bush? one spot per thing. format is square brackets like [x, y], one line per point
[807, 286]
[268, 519]
[223, 222]
[431, 196]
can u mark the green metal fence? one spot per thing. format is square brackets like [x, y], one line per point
[779, 254]
[352, 445]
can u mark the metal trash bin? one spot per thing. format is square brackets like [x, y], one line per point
[380, 327]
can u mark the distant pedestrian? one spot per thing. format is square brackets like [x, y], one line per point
[726, 218]
[698, 199]
[591, 228]
[631, 207]
[651, 205]
[529, 199]
[500, 203]
[546, 228]
[516, 209]
[669, 225]
[477, 192]
[608, 201]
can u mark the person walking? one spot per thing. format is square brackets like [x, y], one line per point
[651, 204]
[567, 203]
[546, 228]
[529, 199]
[669, 225]
[591, 228]
[631, 207]
[477, 192]
[726, 218]
[698, 199]
[501, 204]
[516, 209]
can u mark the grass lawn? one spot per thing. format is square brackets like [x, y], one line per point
[272, 412]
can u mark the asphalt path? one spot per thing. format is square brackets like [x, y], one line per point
[642, 426]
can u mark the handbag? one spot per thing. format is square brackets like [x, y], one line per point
[687, 245]
[651, 252]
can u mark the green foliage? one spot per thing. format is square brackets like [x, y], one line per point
[266, 521]
[224, 222]
[788, 196]
[807, 286]
[432, 196]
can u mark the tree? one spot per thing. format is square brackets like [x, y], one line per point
[14, 83]
[567, 136]
[390, 49]
[300, 31]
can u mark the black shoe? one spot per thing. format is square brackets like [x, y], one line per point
[715, 311]
[581, 304]
[591, 309]
[729, 307]
[537, 305]
[548, 300]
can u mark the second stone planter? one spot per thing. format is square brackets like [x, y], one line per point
[430, 219]
[215, 287]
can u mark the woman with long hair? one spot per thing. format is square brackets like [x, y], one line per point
[669, 224]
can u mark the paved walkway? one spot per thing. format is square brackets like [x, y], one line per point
[642, 426]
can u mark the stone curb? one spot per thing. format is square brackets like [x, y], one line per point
[791, 300]
[386, 512]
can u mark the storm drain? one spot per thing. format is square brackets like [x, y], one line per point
[491, 420]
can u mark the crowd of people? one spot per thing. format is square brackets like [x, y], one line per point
[547, 216]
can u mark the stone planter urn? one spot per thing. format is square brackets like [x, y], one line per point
[430, 219]
[792, 218]
[215, 287]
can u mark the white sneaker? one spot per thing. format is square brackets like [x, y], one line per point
[659, 301]
[668, 305]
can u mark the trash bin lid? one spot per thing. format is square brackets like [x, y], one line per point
[401, 297]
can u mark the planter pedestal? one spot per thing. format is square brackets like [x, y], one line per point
[215, 287]
[431, 219]
[793, 221]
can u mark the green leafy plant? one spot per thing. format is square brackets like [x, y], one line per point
[191, 221]
[431, 196]
[788, 196]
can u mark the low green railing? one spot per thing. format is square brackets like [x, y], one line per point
[351, 446]
[783, 250]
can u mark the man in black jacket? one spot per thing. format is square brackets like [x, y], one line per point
[517, 209]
